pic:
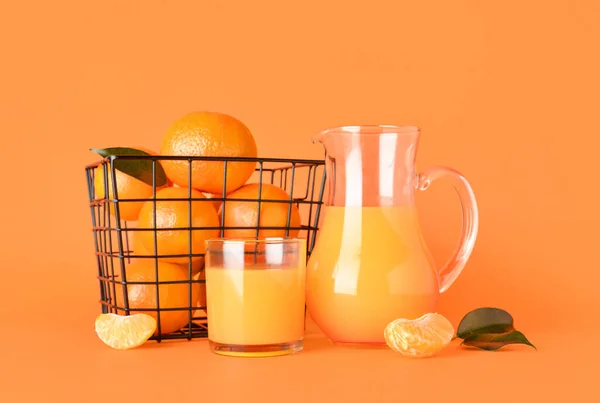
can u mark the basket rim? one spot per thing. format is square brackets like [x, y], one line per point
[295, 161]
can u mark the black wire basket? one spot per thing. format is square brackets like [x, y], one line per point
[302, 179]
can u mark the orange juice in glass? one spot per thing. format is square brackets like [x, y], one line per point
[255, 291]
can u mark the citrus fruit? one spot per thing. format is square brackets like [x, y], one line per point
[140, 250]
[176, 214]
[202, 287]
[272, 214]
[216, 203]
[124, 332]
[197, 265]
[128, 187]
[421, 337]
[171, 295]
[208, 134]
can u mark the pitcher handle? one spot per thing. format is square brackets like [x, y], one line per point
[454, 266]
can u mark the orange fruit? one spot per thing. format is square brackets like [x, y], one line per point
[176, 214]
[272, 214]
[197, 265]
[124, 332]
[216, 203]
[140, 250]
[172, 295]
[209, 134]
[128, 187]
[202, 287]
[421, 337]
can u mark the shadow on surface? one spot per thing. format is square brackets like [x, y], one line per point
[317, 343]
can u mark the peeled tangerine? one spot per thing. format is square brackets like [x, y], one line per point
[421, 337]
[125, 332]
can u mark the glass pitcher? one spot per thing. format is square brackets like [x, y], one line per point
[370, 264]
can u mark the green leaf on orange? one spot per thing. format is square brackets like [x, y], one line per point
[140, 169]
[495, 341]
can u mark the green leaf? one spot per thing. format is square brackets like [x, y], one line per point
[492, 342]
[484, 321]
[138, 168]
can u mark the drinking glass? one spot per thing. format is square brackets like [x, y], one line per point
[255, 290]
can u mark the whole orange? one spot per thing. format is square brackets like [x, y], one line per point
[140, 250]
[272, 214]
[216, 203]
[173, 217]
[128, 187]
[209, 134]
[172, 295]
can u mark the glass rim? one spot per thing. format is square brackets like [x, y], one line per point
[262, 240]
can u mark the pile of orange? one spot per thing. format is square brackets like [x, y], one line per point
[197, 134]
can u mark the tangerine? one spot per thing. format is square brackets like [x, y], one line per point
[208, 134]
[172, 296]
[173, 218]
[140, 250]
[197, 265]
[272, 214]
[216, 203]
[128, 187]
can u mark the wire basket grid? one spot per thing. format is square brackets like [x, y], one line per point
[302, 179]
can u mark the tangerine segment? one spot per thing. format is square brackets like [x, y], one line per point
[209, 134]
[124, 332]
[421, 337]
[176, 214]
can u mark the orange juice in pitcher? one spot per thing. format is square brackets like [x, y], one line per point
[370, 264]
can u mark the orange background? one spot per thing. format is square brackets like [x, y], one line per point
[505, 92]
